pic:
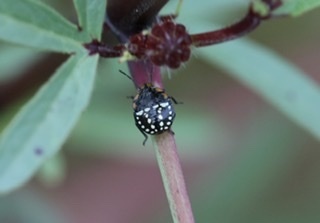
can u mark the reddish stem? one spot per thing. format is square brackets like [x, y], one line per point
[173, 180]
[239, 29]
[96, 47]
[249, 23]
[143, 71]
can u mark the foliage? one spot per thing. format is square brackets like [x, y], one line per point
[41, 127]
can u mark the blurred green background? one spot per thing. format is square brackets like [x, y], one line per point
[244, 161]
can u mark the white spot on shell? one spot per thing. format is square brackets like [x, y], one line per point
[164, 104]
[139, 113]
[161, 123]
[160, 117]
[142, 126]
[170, 112]
[147, 109]
[139, 122]
[155, 106]
[168, 123]
[170, 117]
[166, 127]
[146, 115]
[152, 132]
[147, 130]
[169, 107]
[149, 120]
[153, 127]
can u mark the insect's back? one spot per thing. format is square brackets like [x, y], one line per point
[153, 110]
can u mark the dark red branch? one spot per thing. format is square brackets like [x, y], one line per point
[237, 30]
[249, 23]
[96, 47]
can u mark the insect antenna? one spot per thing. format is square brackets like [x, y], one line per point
[125, 74]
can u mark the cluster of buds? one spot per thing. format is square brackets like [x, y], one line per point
[169, 44]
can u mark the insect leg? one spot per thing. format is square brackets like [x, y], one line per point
[175, 101]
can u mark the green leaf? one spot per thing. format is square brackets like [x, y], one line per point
[272, 77]
[41, 127]
[32, 23]
[91, 15]
[297, 7]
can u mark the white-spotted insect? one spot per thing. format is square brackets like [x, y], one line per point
[153, 110]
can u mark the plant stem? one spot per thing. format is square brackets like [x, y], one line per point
[239, 29]
[246, 25]
[143, 71]
[172, 177]
[166, 151]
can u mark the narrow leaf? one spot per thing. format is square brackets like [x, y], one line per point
[40, 128]
[91, 15]
[271, 76]
[32, 23]
[297, 7]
